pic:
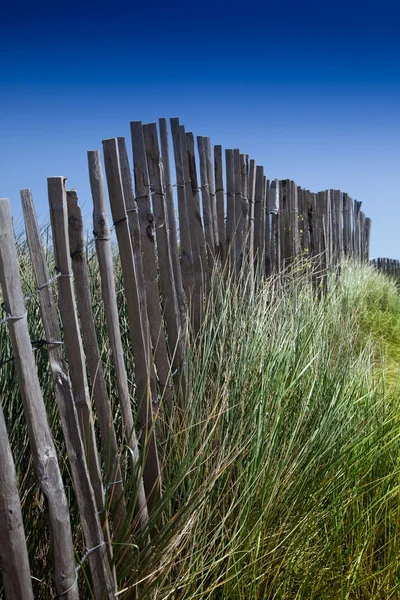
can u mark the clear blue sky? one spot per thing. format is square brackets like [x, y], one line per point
[311, 90]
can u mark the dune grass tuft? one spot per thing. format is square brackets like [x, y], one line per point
[282, 471]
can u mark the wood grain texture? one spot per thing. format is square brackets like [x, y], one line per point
[201, 240]
[144, 369]
[259, 218]
[267, 231]
[88, 511]
[230, 208]
[186, 257]
[171, 311]
[114, 484]
[14, 562]
[211, 190]
[72, 335]
[208, 217]
[148, 225]
[102, 233]
[40, 438]
[197, 237]
[238, 227]
[220, 200]
[173, 236]
[251, 194]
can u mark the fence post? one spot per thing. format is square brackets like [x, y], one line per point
[244, 217]
[195, 234]
[284, 206]
[184, 229]
[14, 562]
[41, 441]
[73, 342]
[258, 220]
[367, 237]
[167, 281]
[133, 220]
[88, 510]
[102, 236]
[144, 370]
[208, 218]
[267, 232]
[211, 190]
[346, 225]
[198, 226]
[147, 229]
[238, 211]
[275, 229]
[114, 485]
[252, 192]
[169, 198]
[230, 208]
[220, 193]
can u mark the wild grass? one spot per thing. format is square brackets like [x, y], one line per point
[281, 473]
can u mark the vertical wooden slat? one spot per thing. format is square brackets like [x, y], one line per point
[284, 209]
[211, 189]
[230, 208]
[184, 228]
[346, 225]
[251, 194]
[73, 342]
[322, 230]
[147, 227]
[362, 249]
[197, 246]
[267, 230]
[244, 218]
[238, 227]
[144, 372]
[133, 220]
[313, 224]
[102, 235]
[14, 562]
[208, 219]
[173, 238]
[40, 438]
[220, 198]
[88, 510]
[164, 250]
[339, 222]
[295, 220]
[258, 219]
[95, 368]
[201, 240]
[367, 237]
[275, 229]
[303, 221]
[356, 229]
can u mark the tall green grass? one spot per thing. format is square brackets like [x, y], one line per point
[282, 472]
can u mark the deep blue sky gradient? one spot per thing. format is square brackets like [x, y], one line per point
[310, 90]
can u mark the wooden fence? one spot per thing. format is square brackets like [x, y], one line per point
[230, 217]
[390, 266]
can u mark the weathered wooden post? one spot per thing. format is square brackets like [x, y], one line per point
[88, 509]
[138, 328]
[220, 193]
[149, 265]
[14, 562]
[102, 236]
[40, 438]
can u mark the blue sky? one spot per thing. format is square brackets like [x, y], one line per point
[310, 90]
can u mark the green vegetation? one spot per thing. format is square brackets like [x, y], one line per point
[282, 475]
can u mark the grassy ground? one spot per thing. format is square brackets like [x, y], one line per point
[282, 474]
